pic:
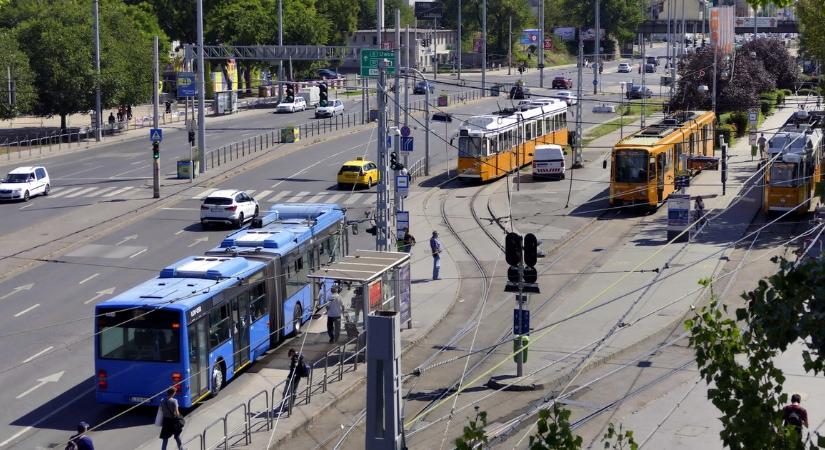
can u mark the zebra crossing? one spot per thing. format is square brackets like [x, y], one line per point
[128, 192]
[343, 198]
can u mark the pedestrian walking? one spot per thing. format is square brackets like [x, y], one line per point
[409, 241]
[794, 415]
[297, 370]
[111, 118]
[129, 112]
[357, 303]
[81, 440]
[335, 307]
[436, 248]
[172, 422]
[700, 212]
[762, 144]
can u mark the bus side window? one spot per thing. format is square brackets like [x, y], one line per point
[219, 325]
[257, 306]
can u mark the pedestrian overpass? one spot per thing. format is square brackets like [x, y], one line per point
[696, 26]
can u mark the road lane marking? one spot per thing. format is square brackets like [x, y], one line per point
[278, 196]
[89, 278]
[198, 240]
[100, 294]
[25, 287]
[204, 194]
[172, 208]
[300, 195]
[263, 194]
[24, 207]
[249, 192]
[100, 192]
[127, 239]
[53, 378]
[64, 192]
[335, 198]
[138, 253]
[27, 310]
[130, 170]
[40, 353]
[119, 191]
[17, 435]
[353, 198]
[179, 232]
[81, 192]
[316, 198]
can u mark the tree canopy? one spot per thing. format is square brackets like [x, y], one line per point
[811, 15]
[18, 64]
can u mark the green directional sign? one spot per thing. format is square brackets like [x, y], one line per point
[370, 59]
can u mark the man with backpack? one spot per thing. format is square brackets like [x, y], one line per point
[794, 415]
[298, 368]
[81, 441]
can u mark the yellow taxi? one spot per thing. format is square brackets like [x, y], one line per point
[358, 171]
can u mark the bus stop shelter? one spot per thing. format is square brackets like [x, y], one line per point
[371, 281]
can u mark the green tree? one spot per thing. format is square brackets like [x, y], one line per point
[342, 17]
[17, 62]
[736, 354]
[238, 22]
[618, 18]
[366, 15]
[177, 17]
[811, 15]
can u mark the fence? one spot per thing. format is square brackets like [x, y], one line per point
[338, 361]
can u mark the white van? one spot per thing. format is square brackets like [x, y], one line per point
[311, 94]
[548, 161]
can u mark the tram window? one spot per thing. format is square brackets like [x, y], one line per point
[539, 127]
[528, 130]
[783, 174]
[219, 325]
[631, 166]
[469, 146]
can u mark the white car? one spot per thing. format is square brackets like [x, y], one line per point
[567, 96]
[23, 183]
[228, 207]
[333, 108]
[624, 68]
[297, 104]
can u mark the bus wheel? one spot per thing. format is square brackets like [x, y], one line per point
[217, 380]
[297, 317]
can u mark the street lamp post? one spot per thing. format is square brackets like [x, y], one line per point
[98, 109]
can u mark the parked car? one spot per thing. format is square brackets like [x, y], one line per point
[638, 91]
[562, 83]
[423, 86]
[650, 68]
[567, 96]
[23, 183]
[652, 60]
[442, 117]
[328, 74]
[333, 108]
[229, 207]
[624, 68]
[297, 104]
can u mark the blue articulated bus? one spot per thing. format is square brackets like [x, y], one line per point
[204, 318]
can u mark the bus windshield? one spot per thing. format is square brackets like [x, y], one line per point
[469, 146]
[139, 334]
[784, 174]
[631, 166]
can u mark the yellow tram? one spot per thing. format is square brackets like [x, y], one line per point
[645, 163]
[493, 145]
[795, 163]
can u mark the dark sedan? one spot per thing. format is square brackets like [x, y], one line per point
[639, 91]
[423, 86]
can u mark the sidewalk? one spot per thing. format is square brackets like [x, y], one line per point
[430, 302]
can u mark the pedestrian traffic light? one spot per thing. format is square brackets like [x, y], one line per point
[156, 150]
[531, 247]
[324, 97]
[191, 137]
[513, 274]
[373, 230]
[290, 93]
[512, 249]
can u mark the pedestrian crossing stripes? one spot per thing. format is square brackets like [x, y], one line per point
[347, 198]
[88, 192]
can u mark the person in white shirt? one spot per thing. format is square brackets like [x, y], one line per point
[335, 308]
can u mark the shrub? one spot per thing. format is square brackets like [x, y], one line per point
[766, 106]
[728, 132]
[739, 120]
[780, 96]
[787, 92]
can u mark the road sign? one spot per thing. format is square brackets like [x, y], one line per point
[405, 131]
[521, 321]
[595, 82]
[753, 117]
[370, 59]
[402, 185]
[406, 143]
[186, 84]
[402, 222]
[389, 140]
[155, 134]
[428, 10]
[752, 137]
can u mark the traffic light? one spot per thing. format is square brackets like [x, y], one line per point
[513, 274]
[373, 230]
[156, 150]
[290, 93]
[191, 137]
[531, 247]
[323, 94]
[394, 164]
[512, 249]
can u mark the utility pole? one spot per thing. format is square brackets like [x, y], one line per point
[682, 32]
[98, 109]
[397, 108]
[434, 41]
[407, 84]
[577, 152]
[644, 86]
[541, 43]
[382, 202]
[483, 48]
[156, 100]
[201, 92]
[510, 48]
[596, 47]
[458, 44]
[755, 7]
[379, 22]
[715, 66]
[11, 94]
[281, 44]
[427, 131]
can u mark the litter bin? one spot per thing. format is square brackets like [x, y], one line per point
[185, 168]
[373, 115]
[442, 100]
[290, 134]
[495, 90]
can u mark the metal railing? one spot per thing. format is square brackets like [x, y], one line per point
[331, 368]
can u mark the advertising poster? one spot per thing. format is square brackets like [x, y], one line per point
[530, 37]
[405, 299]
[375, 295]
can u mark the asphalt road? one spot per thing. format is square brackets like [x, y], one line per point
[46, 312]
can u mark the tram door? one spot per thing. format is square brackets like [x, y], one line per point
[240, 329]
[198, 358]
[660, 176]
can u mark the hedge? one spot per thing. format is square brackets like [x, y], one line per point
[739, 120]
[728, 132]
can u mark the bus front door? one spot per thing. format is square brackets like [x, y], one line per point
[198, 358]
[240, 329]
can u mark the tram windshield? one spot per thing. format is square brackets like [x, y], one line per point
[469, 146]
[784, 174]
[631, 166]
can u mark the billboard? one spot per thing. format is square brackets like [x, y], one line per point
[186, 84]
[761, 22]
[722, 21]
[429, 10]
[530, 37]
[565, 33]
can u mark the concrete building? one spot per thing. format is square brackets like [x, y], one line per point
[442, 44]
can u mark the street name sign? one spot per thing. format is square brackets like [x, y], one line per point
[370, 59]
